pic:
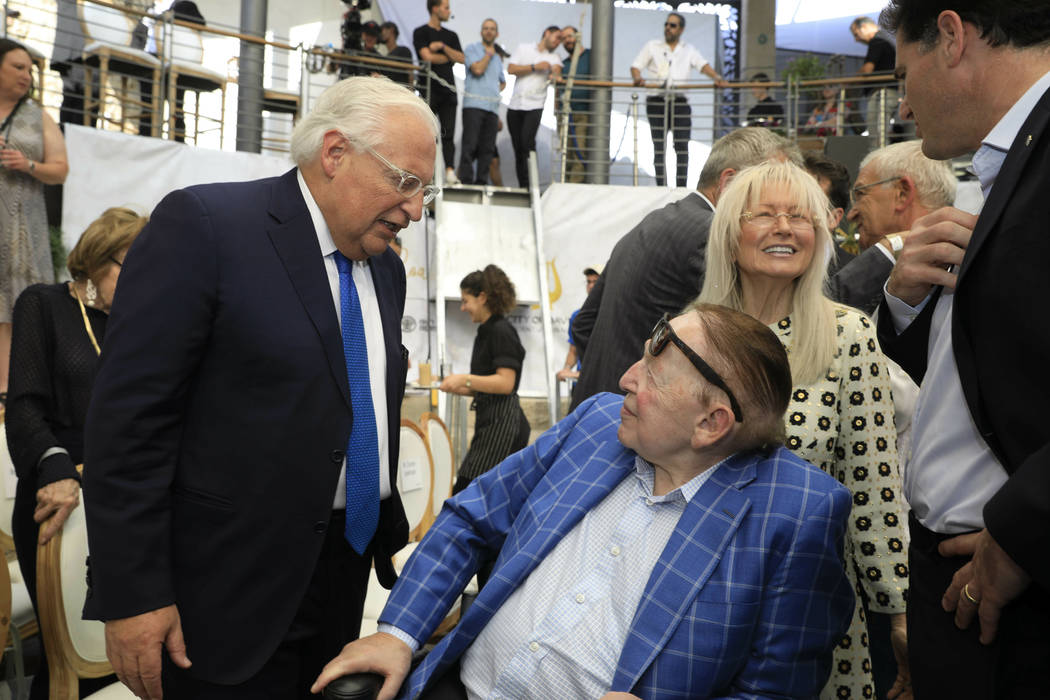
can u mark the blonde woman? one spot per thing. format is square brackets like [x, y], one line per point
[767, 256]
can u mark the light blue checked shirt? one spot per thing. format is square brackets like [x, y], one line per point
[560, 634]
[542, 641]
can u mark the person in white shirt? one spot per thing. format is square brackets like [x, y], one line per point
[962, 314]
[669, 63]
[532, 65]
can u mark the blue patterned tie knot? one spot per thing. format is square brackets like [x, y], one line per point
[362, 451]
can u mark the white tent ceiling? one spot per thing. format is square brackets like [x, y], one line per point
[822, 25]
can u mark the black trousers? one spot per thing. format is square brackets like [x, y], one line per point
[679, 124]
[478, 144]
[328, 618]
[947, 662]
[443, 103]
[523, 125]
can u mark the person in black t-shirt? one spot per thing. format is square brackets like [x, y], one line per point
[441, 48]
[880, 58]
[500, 428]
[767, 111]
[388, 34]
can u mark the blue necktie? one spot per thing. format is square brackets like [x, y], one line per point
[362, 450]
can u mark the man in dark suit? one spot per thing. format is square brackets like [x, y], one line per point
[959, 317]
[658, 267]
[253, 358]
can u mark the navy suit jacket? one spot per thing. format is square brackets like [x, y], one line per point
[219, 421]
[1001, 344]
[747, 599]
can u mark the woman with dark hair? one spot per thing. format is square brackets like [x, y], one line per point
[58, 330]
[500, 428]
[32, 154]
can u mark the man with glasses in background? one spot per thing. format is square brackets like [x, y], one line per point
[243, 432]
[657, 544]
[896, 185]
[668, 63]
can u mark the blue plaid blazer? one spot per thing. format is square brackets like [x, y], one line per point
[747, 599]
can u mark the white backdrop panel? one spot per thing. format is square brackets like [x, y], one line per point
[110, 169]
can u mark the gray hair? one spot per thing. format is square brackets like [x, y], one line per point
[743, 148]
[935, 182]
[358, 108]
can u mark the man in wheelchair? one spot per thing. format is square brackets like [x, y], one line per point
[662, 544]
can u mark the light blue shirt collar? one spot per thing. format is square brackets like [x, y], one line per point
[990, 156]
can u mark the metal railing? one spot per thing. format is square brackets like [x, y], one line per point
[296, 74]
[808, 112]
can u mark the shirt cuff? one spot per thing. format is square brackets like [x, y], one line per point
[887, 253]
[901, 312]
[400, 634]
[54, 467]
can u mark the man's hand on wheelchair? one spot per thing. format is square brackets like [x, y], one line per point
[379, 653]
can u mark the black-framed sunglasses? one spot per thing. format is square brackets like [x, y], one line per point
[663, 332]
[672, 25]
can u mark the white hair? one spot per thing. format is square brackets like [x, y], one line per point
[934, 180]
[813, 332]
[357, 107]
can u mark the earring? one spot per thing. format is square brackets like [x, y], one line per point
[91, 292]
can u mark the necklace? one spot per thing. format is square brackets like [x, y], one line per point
[83, 314]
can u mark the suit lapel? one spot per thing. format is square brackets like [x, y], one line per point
[1007, 180]
[694, 550]
[295, 241]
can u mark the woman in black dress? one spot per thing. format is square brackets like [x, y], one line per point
[56, 338]
[500, 428]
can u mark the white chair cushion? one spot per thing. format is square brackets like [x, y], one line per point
[414, 477]
[87, 636]
[117, 691]
[21, 605]
[441, 451]
[105, 24]
[196, 69]
[124, 51]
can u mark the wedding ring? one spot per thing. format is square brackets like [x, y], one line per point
[969, 596]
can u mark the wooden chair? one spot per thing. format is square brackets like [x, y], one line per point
[440, 445]
[107, 36]
[76, 648]
[187, 72]
[415, 479]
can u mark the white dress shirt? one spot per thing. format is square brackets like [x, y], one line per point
[952, 472]
[373, 323]
[669, 66]
[530, 90]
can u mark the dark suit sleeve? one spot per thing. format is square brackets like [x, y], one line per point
[1018, 516]
[909, 349]
[583, 324]
[859, 283]
[157, 333]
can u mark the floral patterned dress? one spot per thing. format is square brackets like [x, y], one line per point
[844, 425]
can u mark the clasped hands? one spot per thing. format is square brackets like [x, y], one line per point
[12, 158]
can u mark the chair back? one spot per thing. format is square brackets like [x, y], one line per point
[415, 478]
[441, 450]
[8, 483]
[76, 648]
[187, 45]
[105, 24]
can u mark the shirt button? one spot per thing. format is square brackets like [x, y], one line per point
[580, 598]
[534, 646]
[614, 550]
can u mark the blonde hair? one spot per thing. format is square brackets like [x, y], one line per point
[812, 344]
[357, 107]
[104, 237]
